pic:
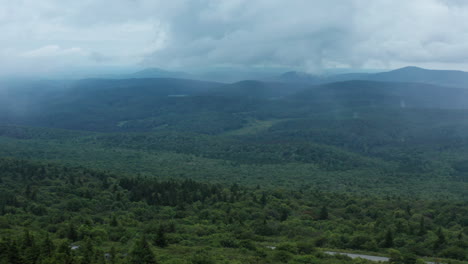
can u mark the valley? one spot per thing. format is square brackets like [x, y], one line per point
[190, 171]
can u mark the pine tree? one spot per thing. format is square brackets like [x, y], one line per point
[440, 242]
[388, 243]
[99, 257]
[28, 240]
[47, 247]
[323, 213]
[422, 227]
[114, 221]
[284, 214]
[88, 252]
[13, 254]
[64, 254]
[171, 228]
[113, 256]
[72, 233]
[141, 253]
[161, 240]
[30, 252]
[263, 199]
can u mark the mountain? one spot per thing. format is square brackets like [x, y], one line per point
[299, 77]
[259, 89]
[347, 77]
[103, 104]
[407, 74]
[159, 73]
[208, 107]
[147, 73]
[385, 94]
[420, 75]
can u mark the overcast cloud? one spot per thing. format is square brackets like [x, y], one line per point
[49, 35]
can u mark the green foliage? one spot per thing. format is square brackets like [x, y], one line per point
[165, 170]
[180, 217]
[323, 213]
[161, 240]
[141, 252]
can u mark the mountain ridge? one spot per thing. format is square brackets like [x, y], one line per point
[452, 78]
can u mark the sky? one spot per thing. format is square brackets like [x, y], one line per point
[52, 36]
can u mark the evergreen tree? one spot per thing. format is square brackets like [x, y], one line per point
[87, 251]
[440, 242]
[284, 214]
[99, 257]
[422, 227]
[64, 254]
[141, 253]
[112, 256]
[13, 254]
[30, 252]
[160, 239]
[47, 247]
[263, 199]
[114, 221]
[72, 233]
[323, 213]
[171, 228]
[388, 242]
[28, 240]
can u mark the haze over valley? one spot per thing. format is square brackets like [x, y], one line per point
[208, 132]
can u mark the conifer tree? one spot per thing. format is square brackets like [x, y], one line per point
[323, 213]
[72, 233]
[141, 253]
[64, 254]
[47, 247]
[13, 254]
[113, 256]
[88, 251]
[388, 243]
[161, 240]
[440, 242]
[422, 227]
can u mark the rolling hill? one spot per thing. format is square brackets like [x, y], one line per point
[406, 75]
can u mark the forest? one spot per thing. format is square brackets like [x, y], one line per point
[234, 132]
[182, 171]
[58, 214]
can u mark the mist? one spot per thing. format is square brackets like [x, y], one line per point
[53, 38]
[233, 131]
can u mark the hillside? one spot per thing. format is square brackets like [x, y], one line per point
[420, 75]
[405, 75]
[386, 94]
[207, 107]
[259, 89]
[79, 215]
[345, 136]
[180, 166]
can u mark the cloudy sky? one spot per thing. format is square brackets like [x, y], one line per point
[49, 36]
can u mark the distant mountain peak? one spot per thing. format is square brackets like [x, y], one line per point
[150, 70]
[155, 72]
[297, 76]
[249, 82]
[410, 68]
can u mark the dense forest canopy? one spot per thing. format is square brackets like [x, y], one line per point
[50, 213]
[180, 171]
